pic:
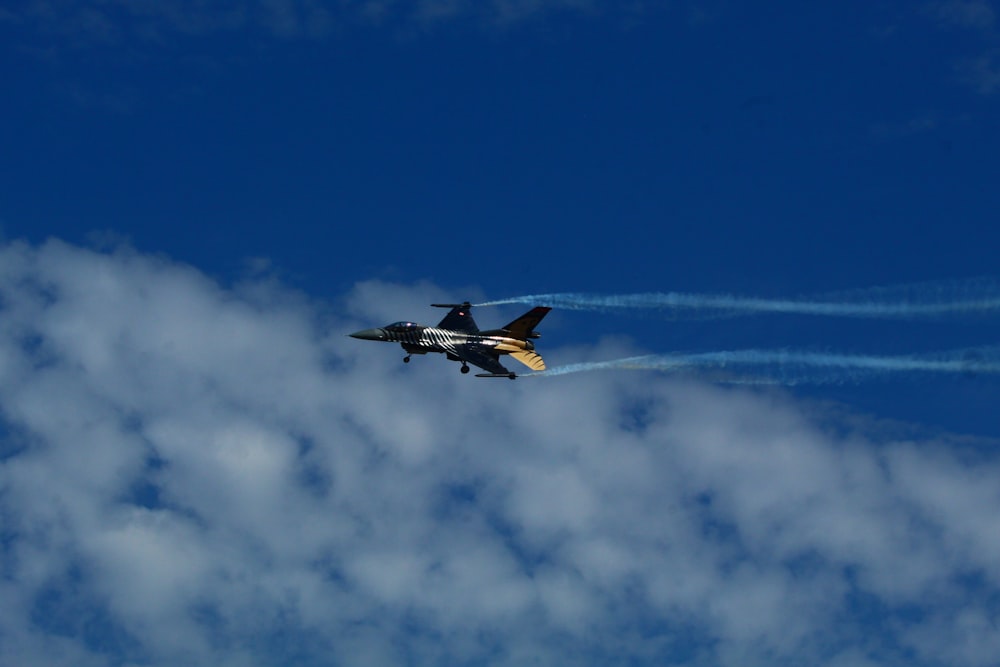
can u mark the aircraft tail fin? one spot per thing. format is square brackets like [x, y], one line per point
[459, 318]
[532, 360]
[523, 327]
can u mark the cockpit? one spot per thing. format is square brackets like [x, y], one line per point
[401, 326]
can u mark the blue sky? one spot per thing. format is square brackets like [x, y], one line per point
[198, 200]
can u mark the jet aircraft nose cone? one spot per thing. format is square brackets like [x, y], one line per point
[369, 334]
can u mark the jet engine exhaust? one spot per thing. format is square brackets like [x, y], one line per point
[917, 301]
[792, 367]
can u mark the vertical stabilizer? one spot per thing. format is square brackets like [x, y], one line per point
[523, 327]
[459, 318]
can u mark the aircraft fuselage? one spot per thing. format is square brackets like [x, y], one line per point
[418, 339]
[458, 337]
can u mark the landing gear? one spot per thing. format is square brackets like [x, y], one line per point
[406, 359]
[465, 369]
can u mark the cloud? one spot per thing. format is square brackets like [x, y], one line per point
[981, 70]
[978, 14]
[982, 73]
[115, 20]
[214, 475]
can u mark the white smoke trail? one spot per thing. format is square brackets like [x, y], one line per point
[791, 367]
[924, 300]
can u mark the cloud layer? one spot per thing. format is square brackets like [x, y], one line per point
[113, 20]
[209, 475]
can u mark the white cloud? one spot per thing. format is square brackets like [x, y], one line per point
[209, 475]
[982, 73]
[978, 14]
[114, 20]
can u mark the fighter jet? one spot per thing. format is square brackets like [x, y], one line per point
[458, 337]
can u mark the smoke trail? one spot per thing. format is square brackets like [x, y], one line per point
[790, 367]
[923, 300]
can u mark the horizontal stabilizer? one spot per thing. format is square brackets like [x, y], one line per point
[532, 360]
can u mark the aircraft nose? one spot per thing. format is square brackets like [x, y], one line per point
[369, 334]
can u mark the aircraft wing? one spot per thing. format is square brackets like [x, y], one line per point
[486, 360]
[524, 326]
